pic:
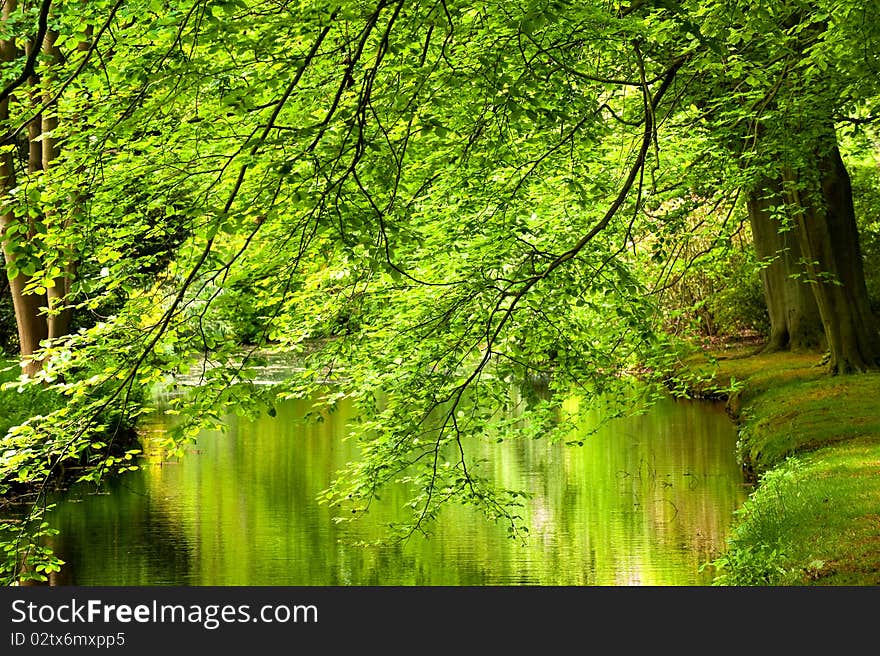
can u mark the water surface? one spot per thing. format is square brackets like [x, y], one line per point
[645, 501]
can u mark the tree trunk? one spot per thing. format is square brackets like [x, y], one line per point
[59, 314]
[820, 196]
[795, 322]
[38, 316]
[31, 323]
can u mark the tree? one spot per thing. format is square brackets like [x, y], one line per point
[40, 273]
[828, 236]
[32, 328]
[451, 196]
[792, 66]
[795, 323]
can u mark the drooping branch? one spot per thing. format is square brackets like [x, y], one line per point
[128, 375]
[509, 298]
[31, 61]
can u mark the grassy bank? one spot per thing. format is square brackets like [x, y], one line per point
[812, 441]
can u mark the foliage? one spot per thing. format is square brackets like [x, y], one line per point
[716, 290]
[15, 406]
[863, 152]
[8, 336]
[430, 205]
[807, 523]
[762, 560]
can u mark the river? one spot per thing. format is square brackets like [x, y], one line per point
[646, 500]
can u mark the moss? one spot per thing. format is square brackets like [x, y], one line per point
[812, 441]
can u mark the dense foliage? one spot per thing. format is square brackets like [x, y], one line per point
[459, 215]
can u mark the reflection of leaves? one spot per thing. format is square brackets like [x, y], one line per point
[425, 191]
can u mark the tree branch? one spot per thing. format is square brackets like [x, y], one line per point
[42, 28]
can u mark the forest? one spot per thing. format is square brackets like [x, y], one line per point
[461, 226]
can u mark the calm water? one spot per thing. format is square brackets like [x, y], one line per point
[645, 501]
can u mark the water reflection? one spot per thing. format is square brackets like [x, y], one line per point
[645, 501]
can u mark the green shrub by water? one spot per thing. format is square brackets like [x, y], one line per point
[813, 442]
[760, 547]
[802, 524]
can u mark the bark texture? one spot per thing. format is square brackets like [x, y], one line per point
[820, 198]
[795, 322]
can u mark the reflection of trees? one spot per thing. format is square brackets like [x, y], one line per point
[645, 500]
[120, 537]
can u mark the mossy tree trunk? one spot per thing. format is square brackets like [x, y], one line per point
[795, 322]
[819, 195]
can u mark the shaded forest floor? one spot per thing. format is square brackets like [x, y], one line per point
[812, 442]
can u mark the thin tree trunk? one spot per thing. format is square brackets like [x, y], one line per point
[35, 127]
[59, 314]
[31, 323]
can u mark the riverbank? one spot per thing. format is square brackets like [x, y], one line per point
[812, 442]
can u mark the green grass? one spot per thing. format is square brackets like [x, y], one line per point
[813, 443]
[796, 418]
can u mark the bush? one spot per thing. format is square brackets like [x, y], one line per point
[719, 295]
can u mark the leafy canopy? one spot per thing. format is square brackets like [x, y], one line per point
[458, 215]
